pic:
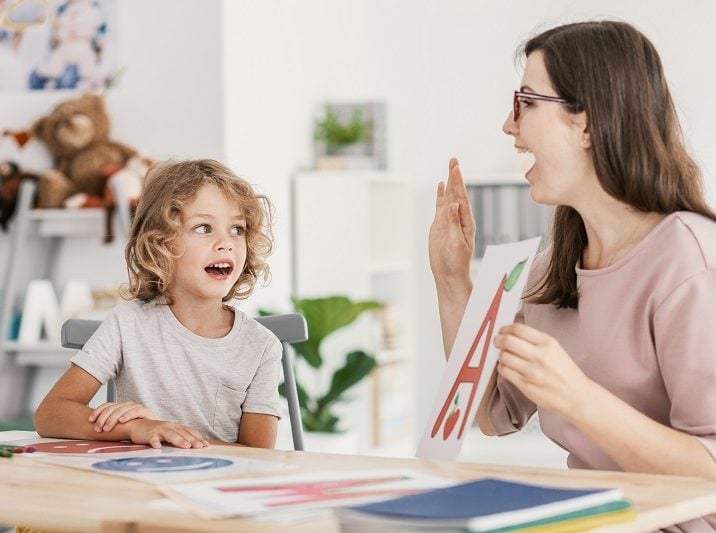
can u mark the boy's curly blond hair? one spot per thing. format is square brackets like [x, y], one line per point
[168, 187]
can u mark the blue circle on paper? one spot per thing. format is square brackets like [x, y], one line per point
[161, 464]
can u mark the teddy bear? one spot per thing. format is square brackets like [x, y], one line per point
[76, 133]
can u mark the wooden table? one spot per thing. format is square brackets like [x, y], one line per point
[49, 496]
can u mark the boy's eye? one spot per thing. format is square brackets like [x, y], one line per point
[202, 228]
[525, 102]
[238, 230]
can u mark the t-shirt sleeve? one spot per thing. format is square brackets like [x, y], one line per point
[685, 339]
[101, 356]
[262, 395]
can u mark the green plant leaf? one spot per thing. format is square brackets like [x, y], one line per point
[331, 131]
[323, 317]
[358, 365]
[323, 421]
[304, 399]
[264, 312]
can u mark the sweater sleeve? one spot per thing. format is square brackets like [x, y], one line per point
[685, 340]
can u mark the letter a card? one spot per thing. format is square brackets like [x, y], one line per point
[494, 301]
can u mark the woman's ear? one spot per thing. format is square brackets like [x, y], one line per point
[580, 122]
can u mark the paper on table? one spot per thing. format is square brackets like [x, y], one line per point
[158, 466]
[493, 303]
[288, 497]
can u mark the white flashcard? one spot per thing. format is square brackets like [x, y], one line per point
[494, 301]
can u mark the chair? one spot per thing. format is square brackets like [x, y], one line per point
[289, 328]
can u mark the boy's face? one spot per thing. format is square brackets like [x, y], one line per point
[212, 246]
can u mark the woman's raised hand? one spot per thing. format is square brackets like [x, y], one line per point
[452, 233]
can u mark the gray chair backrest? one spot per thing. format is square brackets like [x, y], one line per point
[289, 328]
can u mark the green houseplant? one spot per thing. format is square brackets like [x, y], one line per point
[324, 316]
[335, 134]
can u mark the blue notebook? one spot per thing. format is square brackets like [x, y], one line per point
[484, 504]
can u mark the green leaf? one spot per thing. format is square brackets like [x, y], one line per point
[514, 275]
[323, 421]
[264, 312]
[303, 397]
[334, 133]
[358, 365]
[323, 317]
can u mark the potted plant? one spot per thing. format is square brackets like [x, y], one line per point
[338, 136]
[323, 317]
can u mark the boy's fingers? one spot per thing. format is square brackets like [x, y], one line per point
[98, 411]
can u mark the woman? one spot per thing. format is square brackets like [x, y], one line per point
[615, 344]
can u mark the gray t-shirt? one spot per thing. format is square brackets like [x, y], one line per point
[197, 381]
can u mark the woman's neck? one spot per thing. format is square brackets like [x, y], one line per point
[613, 229]
[206, 318]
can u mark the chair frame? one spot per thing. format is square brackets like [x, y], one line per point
[289, 328]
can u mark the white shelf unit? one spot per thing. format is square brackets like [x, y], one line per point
[50, 226]
[351, 236]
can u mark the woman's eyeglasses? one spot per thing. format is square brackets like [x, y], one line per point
[519, 95]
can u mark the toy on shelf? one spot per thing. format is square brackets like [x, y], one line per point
[10, 179]
[87, 164]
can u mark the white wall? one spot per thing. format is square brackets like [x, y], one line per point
[446, 71]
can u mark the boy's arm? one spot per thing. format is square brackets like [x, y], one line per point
[64, 414]
[258, 430]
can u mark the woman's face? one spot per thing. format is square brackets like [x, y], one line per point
[563, 171]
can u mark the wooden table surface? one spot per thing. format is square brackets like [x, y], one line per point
[50, 496]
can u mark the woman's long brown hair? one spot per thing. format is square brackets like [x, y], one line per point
[612, 72]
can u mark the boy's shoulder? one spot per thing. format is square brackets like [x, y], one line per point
[253, 328]
[133, 309]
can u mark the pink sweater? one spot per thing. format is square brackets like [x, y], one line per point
[645, 330]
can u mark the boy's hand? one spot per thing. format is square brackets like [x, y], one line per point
[154, 432]
[108, 415]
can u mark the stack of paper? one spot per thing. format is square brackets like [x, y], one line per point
[491, 505]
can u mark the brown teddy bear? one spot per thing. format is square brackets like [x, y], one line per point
[76, 133]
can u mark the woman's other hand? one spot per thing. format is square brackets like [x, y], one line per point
[541, 369]
[452, 233]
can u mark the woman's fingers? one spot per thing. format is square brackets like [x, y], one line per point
[527, 333]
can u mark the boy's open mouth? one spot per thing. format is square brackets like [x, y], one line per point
[220, 270]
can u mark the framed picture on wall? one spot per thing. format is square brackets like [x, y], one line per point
[57, 44]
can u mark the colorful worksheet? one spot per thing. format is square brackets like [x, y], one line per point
[137, 461]
[42, 445]
[159, 466]
[493, 303]
[298, 495]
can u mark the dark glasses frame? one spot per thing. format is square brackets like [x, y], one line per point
[531, 96]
